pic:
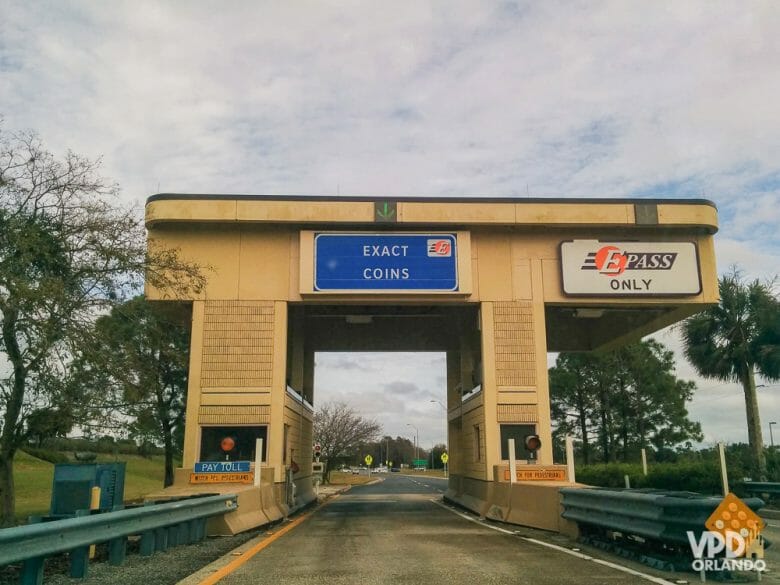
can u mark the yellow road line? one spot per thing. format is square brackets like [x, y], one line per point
[235, 564]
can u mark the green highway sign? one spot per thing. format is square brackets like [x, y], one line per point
[420, 462]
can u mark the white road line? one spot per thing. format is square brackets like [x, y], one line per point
[584, 557]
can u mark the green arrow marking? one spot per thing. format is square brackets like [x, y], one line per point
[386, 213]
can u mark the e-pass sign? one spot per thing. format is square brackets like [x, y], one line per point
[385, 262]
[592, 268]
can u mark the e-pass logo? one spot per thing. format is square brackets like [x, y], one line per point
[440, 248]
[611, 261]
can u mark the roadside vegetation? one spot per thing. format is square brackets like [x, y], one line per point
[69, 252]
[143, 475]
[693, 471]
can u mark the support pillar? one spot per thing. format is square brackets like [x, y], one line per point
[275, 451]
[192, 429]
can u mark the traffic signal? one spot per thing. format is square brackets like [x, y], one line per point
[533, 443]
[317, 449]
[227, 444]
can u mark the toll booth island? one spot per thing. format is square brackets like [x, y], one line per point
[493, 283]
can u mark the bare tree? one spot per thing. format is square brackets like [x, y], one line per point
[68, 251]
[340, 430]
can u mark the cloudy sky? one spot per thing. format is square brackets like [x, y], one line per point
[598, 99]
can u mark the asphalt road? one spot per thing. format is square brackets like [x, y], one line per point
[398, 531]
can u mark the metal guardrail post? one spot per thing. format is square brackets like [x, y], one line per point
[79, 557]
[160, 539]
[192, 526]
[32, 569]
[117, 551]
[147, 543]
[201, 529]
[184, 533]
[173, 536]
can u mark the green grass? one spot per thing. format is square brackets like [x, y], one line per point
[348, 478]
[33, 478]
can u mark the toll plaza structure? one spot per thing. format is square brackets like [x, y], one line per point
[493, 283]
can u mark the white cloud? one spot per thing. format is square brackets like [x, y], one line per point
[396, 389]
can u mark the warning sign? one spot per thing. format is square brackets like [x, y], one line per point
[222, 477]
[538, 475]
[733, 515]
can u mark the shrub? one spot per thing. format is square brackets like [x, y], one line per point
[611, 475]
[689, 476]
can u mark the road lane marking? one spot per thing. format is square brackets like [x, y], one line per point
[584, 557]
[235, 564]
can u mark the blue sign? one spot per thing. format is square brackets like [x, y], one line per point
[386, 262]
[221, 466]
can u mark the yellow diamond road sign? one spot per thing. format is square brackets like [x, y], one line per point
[369, 460]
[444, 458]
[733, 515]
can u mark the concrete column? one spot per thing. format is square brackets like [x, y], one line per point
[296, 361]
[278, 391]
[455, 463]
[489, 390]
[544, 428]
[192, 428]
[308, 374]
[467, 364]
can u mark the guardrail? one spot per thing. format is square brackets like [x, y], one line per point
[761, 487]
[160, 525]
[661, 520]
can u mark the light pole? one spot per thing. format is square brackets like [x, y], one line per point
[446, 437]
[771, 438]
[416, 439]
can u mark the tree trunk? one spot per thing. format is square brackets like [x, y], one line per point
[605, 430]
[758, 460]
[168, 447]
[585, 443]
[163, 414]
[10, 437]
[582, 416]
[7, 490]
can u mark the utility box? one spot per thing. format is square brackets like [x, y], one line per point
[73, 483]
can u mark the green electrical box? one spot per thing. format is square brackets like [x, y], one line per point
[73, 483]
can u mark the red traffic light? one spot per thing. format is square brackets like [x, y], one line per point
[227, 444]
[317, 448]
[533, 443]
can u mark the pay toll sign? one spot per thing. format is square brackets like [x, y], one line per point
[591, 268]
[385, 262]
